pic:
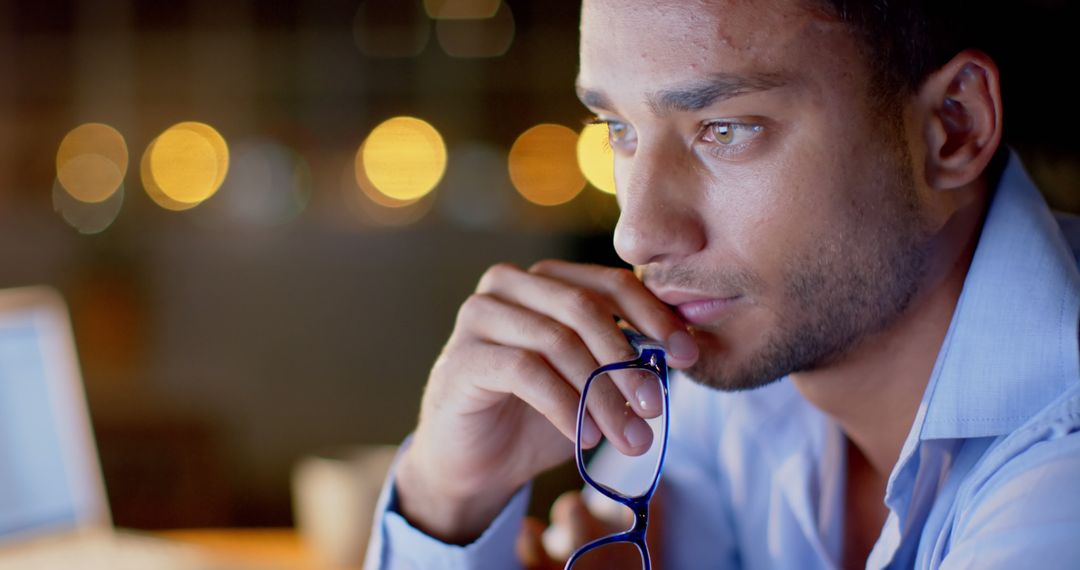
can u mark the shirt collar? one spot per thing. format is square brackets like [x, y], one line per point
[1012, 345]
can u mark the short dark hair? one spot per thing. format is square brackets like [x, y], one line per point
[905, 41]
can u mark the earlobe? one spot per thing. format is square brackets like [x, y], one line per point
[962, 128]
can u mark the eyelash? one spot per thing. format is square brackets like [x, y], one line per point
[596, 120]
[718, 150]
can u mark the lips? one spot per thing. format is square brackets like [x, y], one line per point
[698, 308]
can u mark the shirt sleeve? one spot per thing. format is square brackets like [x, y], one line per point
[397, 545]
[1027, 515]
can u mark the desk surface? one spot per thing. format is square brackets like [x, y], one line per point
[253, 547]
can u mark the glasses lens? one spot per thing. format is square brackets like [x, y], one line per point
[620, 555]
[633, 400]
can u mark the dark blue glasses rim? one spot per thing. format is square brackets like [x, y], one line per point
[652, 358]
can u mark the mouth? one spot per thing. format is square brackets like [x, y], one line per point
[698, 308]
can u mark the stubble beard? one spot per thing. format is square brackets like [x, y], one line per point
[843, 291]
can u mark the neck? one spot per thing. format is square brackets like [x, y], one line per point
[874, 391]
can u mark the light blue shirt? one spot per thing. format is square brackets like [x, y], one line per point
[988, 477]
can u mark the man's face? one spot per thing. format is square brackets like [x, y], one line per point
[764, 194]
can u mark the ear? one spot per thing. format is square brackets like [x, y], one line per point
[961, 111]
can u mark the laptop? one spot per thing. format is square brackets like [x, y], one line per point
[53, 508]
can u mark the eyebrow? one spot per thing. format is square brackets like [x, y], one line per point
[695, 95]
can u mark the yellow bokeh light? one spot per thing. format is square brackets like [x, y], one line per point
[154, 191]
[595, 158]
[185, 165]
[221, 149]
[543, 165]
[374, 207]
[367, 187]
[403, 158]
[91, 162]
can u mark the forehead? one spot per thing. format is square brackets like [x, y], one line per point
[650, 43]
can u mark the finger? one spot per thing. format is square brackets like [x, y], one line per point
[604, 398]
[530, 548]
[496, 321]
[637, 305]
[500, 323]
[588, 313]
[528, 376]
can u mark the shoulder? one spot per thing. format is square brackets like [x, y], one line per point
[1049, 438]
[1023, 501]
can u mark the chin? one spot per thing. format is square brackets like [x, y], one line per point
[730, 367]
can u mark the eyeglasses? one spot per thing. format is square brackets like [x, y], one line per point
[629, 480]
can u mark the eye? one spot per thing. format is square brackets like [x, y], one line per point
[620, 135]
[728, 133]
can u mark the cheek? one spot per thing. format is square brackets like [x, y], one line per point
[761, 209]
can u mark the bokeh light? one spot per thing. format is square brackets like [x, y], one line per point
[476, 192]
[87, 217]
[153, 191]
[221, 148]
[269, 184]
[185, 165]
[489, 37]
[91, 162]
[461, 9]
[595, 158]
[403, 158]
[543, 165]
[376, 208]
[391, 28]
[369, 191]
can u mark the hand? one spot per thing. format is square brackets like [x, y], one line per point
[573, 524]
[500, 405]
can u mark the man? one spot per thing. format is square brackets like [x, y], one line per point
[877, 310]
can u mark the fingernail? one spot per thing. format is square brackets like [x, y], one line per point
[590, 433]
[637, 433]
[682, 346]
[648, 395]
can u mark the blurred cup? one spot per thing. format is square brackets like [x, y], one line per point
[334, 496]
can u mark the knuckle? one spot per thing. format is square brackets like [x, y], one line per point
[522, 362]
[584, 303]
[542, 266]
[493, 275]
[560, 338]
[474, 306]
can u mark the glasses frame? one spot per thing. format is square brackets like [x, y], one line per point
[651, 357]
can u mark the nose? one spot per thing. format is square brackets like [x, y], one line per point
[659, 219]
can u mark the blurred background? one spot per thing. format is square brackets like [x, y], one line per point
[264, 214]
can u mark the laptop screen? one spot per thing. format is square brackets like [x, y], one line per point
[47, 474]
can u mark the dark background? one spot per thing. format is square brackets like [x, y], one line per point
[217, 352]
